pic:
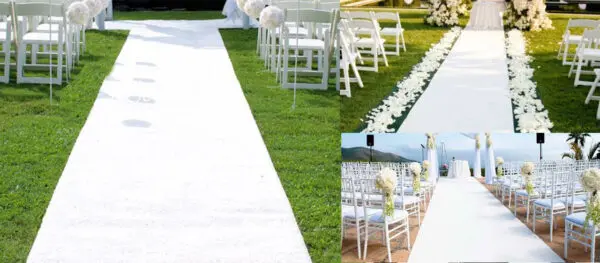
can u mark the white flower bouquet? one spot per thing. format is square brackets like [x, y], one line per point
[527, 172]
[426, 170]
[386, 181]
[590, 181]
[415, 169]
[528, 15]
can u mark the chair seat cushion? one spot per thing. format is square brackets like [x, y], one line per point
[348, 195]
[574, 38]
[578, 218]
[547, 203]
[294, 31]
[379, 218]
[313, 44]
[391, 31]
[348, 212]
[47, 27]
[408, 199]
[523, 192]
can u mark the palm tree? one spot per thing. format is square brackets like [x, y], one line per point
[578, 138]
[594, 154]
[577, 154]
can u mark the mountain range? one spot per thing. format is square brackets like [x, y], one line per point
[363, 153]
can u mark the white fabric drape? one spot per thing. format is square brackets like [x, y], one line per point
[477, 164]
[231, 11]
[490, 166]
[434, 171]
[486, 15]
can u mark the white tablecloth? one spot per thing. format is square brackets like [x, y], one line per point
[459, 169]
[487, 15]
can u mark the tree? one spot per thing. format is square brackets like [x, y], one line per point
[578, 138]
[594, 154]
[576, 153]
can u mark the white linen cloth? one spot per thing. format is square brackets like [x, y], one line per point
[459, 169]
[486, 15]
[433, 165]
[490, 166]
[231, 10]
[477, 164]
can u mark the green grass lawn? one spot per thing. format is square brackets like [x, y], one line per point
[303, 143]
[419, 37]
[36, 139]
[564, 102]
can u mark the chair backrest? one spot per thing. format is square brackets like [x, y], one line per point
[371, 197]
[308, 16]
[591, 39]
[5, 8]
[391, 16]
[359, 15]
[586, 23]
[39, 9]
[328, 6]
[349, 193]
[295, 4]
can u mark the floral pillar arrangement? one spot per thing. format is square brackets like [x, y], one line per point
[431, 157]
[386, 181]
[527, 15]
[527, 172]
[425, 170]
[499, 170]
[445, 12]
[477, 167]
[490, 165]
[415, 170]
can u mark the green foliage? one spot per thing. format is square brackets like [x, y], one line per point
[529, 188]
[593, 211]
[416, 184]
[389, 204]
[499, 171]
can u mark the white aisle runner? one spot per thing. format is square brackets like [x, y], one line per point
[170, 165]
[466, 223]
[470, 90]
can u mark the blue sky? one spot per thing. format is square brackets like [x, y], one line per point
[511, 147]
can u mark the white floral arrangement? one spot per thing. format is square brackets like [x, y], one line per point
[415, 169]
[527, 172]
[241, 4]
[445, 12]
[426, 170]
[488, 140]
[590, 181]
[379, 119]
[253, 8]
[386, 181]
[499, 170]
[78, 13]
[430, 142]
[527, 15]
[529, 110]
[271, 17]
[94, 7]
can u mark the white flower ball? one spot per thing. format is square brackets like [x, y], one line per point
[386, 180]
[94, 6]
[425, 164]
[408, 2]
[254, 7]
[527, 169]
[78, 13]
[415, 168]
[499, 161]
[591, 180]
[271, 17]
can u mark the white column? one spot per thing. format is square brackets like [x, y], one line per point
[432, 165]
[477, 164]
[490, 167]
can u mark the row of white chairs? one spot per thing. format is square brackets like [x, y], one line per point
[556, 192]
[42, 31]
[307, 36]
[586, 58]
[363, 204]
[361, 34]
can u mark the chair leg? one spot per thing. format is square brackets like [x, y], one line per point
[551, 224]
[578, 72]
[527, 216]
[560, 49]
[593, 245]
[403, 42]
[566, 241]
[358, 236]
[592, 89]
[565, 53]
[575, 59]
[387, 242]
[408, 235]
[366, 239]
[534, 217]
[20, 62]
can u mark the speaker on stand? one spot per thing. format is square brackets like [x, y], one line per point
[370, 143]
[540, 140]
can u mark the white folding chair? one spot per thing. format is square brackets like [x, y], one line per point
[573, 39]
[348, 60]
[372, 45]
[6, 38]
[588, 52]
[397, 32]
[50, 39]
[323, 48]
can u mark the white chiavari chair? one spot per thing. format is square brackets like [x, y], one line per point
[391, 227]
[553, 205]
